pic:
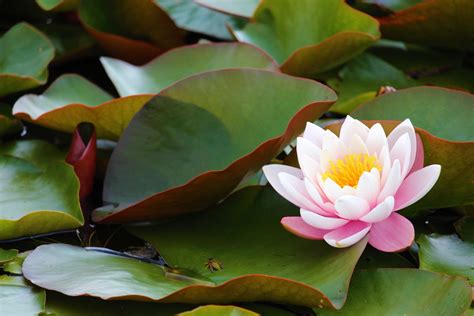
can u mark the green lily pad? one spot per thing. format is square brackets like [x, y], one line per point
[427, 108]
[25, 54]
[190, 16]
[404, 292]
[310, 36]
[243, 117]
[241, 8]
[72, 99]
[183, 62]
[447, 254]
[7, 255]
[8, 124]
[420, 23]
[18, 298]
[465, 228]
[216, 310]
[14, 266]
[265, 262]
[365, 74]
[39, 192]
[132, 30]
[58, 5]
[394, 5]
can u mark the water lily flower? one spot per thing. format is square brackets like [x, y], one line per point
[353, 185]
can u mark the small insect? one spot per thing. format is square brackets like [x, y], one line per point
[213, 265]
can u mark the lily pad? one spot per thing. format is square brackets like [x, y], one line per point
[280, 267]
[7, 255]
[241, 8]
[190, 16]
[18, 298]
[451, 155]
[365, 74]
[447, 254]
[58, 5]
[216, 310]
[310, 36]
[183, 62]
[8, 124]
[72, 99]
[243, 117]
[420, 24]
[404, 292]
[427, 108]
[465, 228]
[25, 54]
[39, 192]
[135, 31]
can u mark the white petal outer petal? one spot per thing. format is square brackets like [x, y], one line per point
[386, 162]
[309, 167]
[322, 222]
[402, 128]
[332, 190]
[271, 173]
[402, 151]
[368, 186]
[296, 188]
[376, 140]
[351, 207]
[317, 198]
[306, 147]
[314, 133]
[394, 180]
[380, 212]
[348, 234]
[352, 127]
[416, 185]
[419, 156]
[357, 145]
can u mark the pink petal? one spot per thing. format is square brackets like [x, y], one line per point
[296, 189]
[416, 185]
[348, 234]
[321, 222]
[401, 151]
[396, 233]
[380, 212]
[351, 207]
[420, 155]
[296, 225]
[386, 162]
[402, 128]
[316, 196]
[376, 140]
[314, 133]
[393, 182]
[309, 167]
[271, 173]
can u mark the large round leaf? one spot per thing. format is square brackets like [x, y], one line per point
[241, 8]
[58, 5]
[191, 146]
[18, 298]
[427, 108]
[454, 187]
[216, 310]
[39, 192]
[183, 62]
[447, 254]
[404, 292]
[25, 54]
[421, 24]
[134, 30]
[259, 260]
[309, 36]
[72, 99]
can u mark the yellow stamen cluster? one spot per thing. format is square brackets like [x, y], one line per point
[347, 171]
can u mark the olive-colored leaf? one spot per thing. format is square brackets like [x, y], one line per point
[14, 266]
[242, 117]
[183, 62]
[451, 155]
[309, 36]
[7, 255]
[18, 298]
[447, 254]
[58, 5]
[25, 54]
[241, 8]
[265, 262]
[133, 30]
[365, 74]
[427, 108]
[72, 99]
[218, 310]
[39, 192]
[189, 15]
[420, 24]
[404, 292]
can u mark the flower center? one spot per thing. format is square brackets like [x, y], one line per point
[347, 171]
